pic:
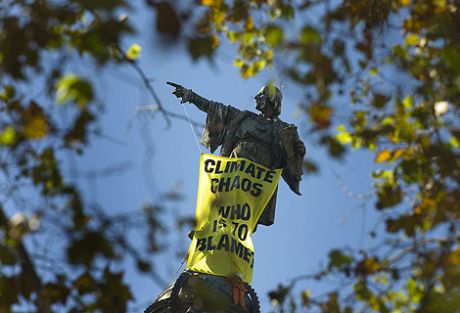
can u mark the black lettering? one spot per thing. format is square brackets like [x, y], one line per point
[201, 244]
[251, 170]
[259, 172]
[210, 245]
[224, 184]
[218, 170]
[236, 212]
[256, 189]
[243, 232]
[227, 166]
[233, 167]
[235, 227]
[237, 248]
[236, 183]
[245, 212]
[269, 176]
[247, 254]
[208, 165]
[245, 184]
[223, 243]
[224, 210]
[242, 165]
[214, 181]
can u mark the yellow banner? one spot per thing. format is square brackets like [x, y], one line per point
[232, 194]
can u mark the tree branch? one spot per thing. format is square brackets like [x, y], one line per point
[28, 269]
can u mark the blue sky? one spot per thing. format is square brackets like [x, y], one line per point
[306, 227]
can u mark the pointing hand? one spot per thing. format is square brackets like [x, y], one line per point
[181, 92]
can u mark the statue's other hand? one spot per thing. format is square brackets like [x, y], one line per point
[181, 92]
[299, 147]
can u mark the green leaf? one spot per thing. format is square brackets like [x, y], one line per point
[85, 249]
[338, 259]
[73, 88]
[8, 92]
[8, 136]
[374, 71]
[274, 35]
[305, 297]
[134, 52]
[46, 173]
[389, 195]
[310, 35]
[202, 46]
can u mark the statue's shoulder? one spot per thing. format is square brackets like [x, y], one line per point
[284, 124]
[247, 113]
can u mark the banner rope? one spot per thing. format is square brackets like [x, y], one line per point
[193, 129]
[177, 271]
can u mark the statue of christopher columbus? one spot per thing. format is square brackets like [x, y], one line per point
[262, 138]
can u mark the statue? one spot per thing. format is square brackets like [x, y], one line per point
[262, 138]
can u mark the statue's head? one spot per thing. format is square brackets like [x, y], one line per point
[268, 99]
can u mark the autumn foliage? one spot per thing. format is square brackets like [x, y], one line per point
[394, 63]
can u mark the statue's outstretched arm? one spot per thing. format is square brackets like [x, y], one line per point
[187, 95]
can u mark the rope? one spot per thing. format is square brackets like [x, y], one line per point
[193, 129]
[177, 271]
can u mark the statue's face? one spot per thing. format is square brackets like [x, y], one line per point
[261, 100]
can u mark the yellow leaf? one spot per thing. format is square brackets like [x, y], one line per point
[411, 40]
[321, 115]
[341, 128]
[404, 2]
[397, 154]
[249, 24]
[407, 102]
[8, 136]
[208, 3]
[215, 42]
[269, 54]
[454, 257]
[73, 88]
[36, 127]
[383, 156]
[389, 120]
[232, 36]
[238, 62]
[343, 137]
[454, 142]
[248, 38]
[372, 146]
[134, 52]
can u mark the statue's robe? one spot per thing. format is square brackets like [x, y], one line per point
[269, 142]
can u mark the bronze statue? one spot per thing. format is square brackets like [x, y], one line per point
[262, 138]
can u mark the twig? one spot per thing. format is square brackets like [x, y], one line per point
[29, 270]
[149, 87]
